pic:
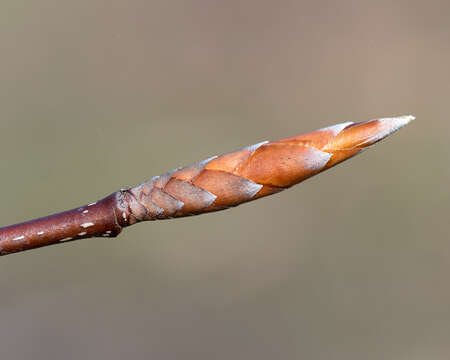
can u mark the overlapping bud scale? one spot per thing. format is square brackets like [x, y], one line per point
[253, 172]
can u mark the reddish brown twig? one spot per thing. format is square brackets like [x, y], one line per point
[210, 185]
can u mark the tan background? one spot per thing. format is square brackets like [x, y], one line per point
[353, 264]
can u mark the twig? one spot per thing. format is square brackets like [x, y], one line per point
[210, 185]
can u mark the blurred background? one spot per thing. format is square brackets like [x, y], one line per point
[97, 95]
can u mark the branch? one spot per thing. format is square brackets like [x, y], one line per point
[210, 185]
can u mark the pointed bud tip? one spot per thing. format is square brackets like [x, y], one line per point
[389, 126]
[395, 123]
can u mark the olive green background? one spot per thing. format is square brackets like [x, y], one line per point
[352, 264]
